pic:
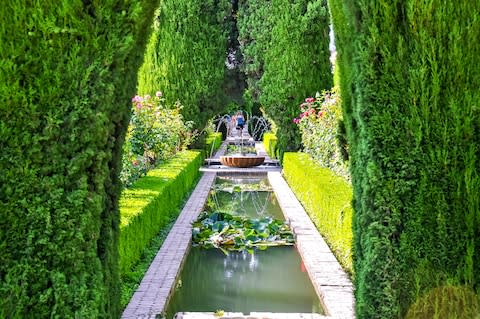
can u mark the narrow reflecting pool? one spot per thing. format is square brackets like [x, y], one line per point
[272, 280]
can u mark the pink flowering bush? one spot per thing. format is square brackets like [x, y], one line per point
[156, 132]
[318, 122]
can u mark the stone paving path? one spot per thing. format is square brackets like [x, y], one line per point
[328, 278]
[152, 295]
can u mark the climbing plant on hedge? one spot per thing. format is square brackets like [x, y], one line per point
[413, 121]
[67, 73]
[294, 63]
[186, 54]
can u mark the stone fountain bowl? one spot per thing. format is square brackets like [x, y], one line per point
[242, 161]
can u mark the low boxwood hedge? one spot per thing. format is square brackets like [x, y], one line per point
[327, 199]
[150, 203]
[270, 144]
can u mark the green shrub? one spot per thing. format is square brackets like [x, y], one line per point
[185, 56]
[67, 73]
[155, 133]
[285, 44]
[450, 302]
[413, 124]
[327, 199]
[270, 144]
[254, 27]
[149, 204]
[319, 123]
[130, 280]
[212, 143]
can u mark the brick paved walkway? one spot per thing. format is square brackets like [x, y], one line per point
[151, 296]
[330, 281]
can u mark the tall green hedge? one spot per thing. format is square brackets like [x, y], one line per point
[150, 203]
[67, 73]
[186, 54]
[286, 48]
[411, 76]
[327, 199]
[255, 24]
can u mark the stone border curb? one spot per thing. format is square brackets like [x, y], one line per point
[331, 283]
[152, 295]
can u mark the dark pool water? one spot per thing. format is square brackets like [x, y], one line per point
[272, 280]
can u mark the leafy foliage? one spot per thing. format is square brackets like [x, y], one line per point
[447, 301]
[149, 204]
[67, 73]
[212, 143]
[156, 132]
[409, 80]
[130, 280]
[185, 56]
[270, 144]
[327, 199]
[236, 233]
[319, 123]
[279, 39]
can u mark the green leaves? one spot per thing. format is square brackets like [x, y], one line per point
[185, 56]
[67, 73]
[285, 45]
[409, 77]
[236, 233]
[146, 207]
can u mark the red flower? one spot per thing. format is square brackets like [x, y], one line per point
[309, 100]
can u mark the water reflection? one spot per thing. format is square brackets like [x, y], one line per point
[270, 280]
[251, 197]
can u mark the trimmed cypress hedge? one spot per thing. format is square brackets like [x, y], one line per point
[411, 76]
[327, 199]
[285, 44]
[186, 54]
[149, 204]
[67, 73]
[270, 144]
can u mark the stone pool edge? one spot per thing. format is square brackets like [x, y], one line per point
[332, 284]
[152, 295]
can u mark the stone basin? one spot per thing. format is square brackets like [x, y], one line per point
[242, 161]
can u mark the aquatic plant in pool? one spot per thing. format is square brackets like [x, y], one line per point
[236, 233]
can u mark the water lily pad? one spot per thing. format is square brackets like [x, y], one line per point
[235, 233]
